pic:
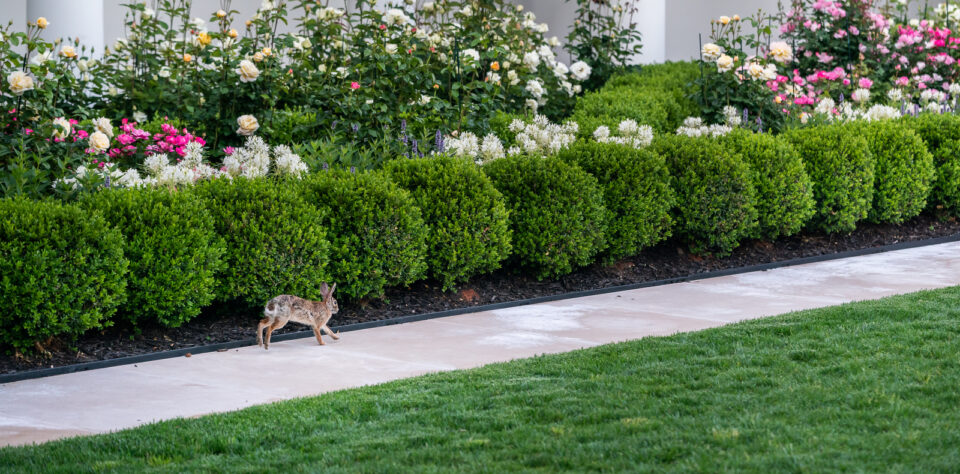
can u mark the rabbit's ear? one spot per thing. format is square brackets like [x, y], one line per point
[332, 289]
[324, 288]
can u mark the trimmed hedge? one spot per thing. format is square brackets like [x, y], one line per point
[941, 133]
[377, 235]
[716, 198]
[659, 96]
[842, 168]
[466, 217]
[556, 212]
[636, 192]
[275, 240]
[62, 271]
[784, 190]
[904, 171]
[945, 194]
[173, 251]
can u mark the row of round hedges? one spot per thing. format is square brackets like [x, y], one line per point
[159, 256]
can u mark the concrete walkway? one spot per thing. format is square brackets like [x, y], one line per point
[122, 397]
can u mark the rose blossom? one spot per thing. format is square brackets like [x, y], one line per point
[248, 125]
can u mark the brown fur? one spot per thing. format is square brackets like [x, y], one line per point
[285, 308]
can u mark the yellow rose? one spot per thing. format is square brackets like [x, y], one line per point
[736, 17]
[203, 38]
[725, 20]
[248, 71]
[19, 82]
[221, 13]
[267, 52]
[258, 56]
[42, 22]
[187, 57]
[99, 141]
[68, 52]
[232, 33]
[248, 125]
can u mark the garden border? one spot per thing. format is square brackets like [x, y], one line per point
[102, 364]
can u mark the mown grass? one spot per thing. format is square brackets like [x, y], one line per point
[871, 386]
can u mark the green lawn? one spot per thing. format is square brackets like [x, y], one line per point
[869, 386]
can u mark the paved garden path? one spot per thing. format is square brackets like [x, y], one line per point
[126, 396]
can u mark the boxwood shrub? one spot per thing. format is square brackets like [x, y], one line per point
[716, 198]
[636, 192]
[377, 235]
[173, 250]
[466, 216]
[275, 240]
[904, 171]
[945, 194]
[784, 190]
[941, 133]
[62, 271]
[842, 168]
[556, 212]
[610, 106]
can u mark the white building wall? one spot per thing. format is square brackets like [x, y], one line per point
[669, 27]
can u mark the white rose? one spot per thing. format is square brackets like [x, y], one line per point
[711, 52]
[248, 125]
[781, 52]
[390, 48]
[104, 126]
[580, 70]
[724, 63]
[19, 82]
[99, 141]
[472, 54]
[64, 130]
[248, 71]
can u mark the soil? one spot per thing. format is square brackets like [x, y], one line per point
[228, 323]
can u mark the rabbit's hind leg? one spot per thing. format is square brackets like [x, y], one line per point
[263, 323]
[277, 324]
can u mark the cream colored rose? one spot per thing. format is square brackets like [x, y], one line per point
[248, 125]
[104, 126]
[724, 63]
[781, 52]
[711, 52]
[99, 141]
[63, 128]
[68, 51]
[20, 82]
[725, 20]
[42, 22]
[248, 71]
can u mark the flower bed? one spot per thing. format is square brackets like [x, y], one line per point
[519, 193]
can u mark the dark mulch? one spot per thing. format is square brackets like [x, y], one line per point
[227, 323]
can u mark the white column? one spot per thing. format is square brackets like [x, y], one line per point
[71, 19]
[651, 19]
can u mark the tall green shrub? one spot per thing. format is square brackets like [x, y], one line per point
[784, 190]
[466, 217]
[941, 133]
[62, 271]
[716, 198]
[636, 192]
[556, 212]
[945, 195]
[275, 240]
[173, 250]
[904, 170]
[377, 235]
[842, 169]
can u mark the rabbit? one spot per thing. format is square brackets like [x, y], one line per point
[285, 308]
